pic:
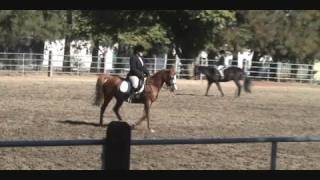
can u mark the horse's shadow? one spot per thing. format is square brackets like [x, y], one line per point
[190, 94]
[186, 94]
[73, 122]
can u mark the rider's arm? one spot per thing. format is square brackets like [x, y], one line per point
[133, 67]
[145, 70]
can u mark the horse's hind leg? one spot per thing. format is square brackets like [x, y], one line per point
[117, 107]
[103, 108]
[220, 89]
[238, 86]
[208, 87]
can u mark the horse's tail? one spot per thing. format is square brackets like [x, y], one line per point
[247, 84]
[99, 90]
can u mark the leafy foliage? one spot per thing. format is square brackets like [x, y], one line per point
[15, 25]
[287, 35]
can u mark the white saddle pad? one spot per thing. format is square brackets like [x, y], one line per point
[125, 87]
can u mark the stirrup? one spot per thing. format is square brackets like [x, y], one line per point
[132, 95]
[130, 98]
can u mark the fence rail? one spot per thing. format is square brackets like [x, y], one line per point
[121, 128]
[83, 65]
[89, 142]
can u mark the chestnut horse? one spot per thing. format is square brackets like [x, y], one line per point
[108, 86]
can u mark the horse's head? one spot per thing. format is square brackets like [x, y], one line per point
[170, 79]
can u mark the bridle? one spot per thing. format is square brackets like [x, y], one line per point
[172, 83]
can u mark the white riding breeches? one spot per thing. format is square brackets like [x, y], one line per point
[135, 81]
[220, 69]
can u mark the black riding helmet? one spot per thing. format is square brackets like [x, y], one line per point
[138, 48]
[222, 52]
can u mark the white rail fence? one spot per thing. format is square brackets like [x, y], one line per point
[25, 63]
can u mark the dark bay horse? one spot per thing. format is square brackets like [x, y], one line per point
[107, 87]
[230, 74]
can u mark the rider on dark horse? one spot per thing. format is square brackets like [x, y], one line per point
[138, 71]
[221, 63]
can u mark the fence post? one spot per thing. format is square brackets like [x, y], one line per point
[98, 64]
[155, 65]
[300, 68]
[268, 72]
[274, 155]
[116, 151]
[50, 64]
[279, 69]
[23, 64]
[310, 71]
[176, 66]
[165, 61]
[78, 67]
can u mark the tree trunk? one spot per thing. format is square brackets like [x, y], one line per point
[38, 48]
[95, 53]
[235, 51]
[187, 59]
[68, 39]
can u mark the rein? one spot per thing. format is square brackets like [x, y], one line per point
[149, 81]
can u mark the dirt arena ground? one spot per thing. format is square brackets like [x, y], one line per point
[40, 108]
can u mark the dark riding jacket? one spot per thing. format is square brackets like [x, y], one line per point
[220, 61]
[136, 68]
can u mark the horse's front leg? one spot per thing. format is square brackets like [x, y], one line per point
[239, 88]
[146, 115]
[208, 87]
[139, 121]
[147, 111]
[220, 89]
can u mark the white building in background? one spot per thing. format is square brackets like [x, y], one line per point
[245, 57]
[316, 67]
[266, 59]
[80, 52]
[202, 58]
[228, 58]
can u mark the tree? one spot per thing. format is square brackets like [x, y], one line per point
[68, 40]
[236, 35]
[34, 24]
[193, 30]
[286, 35]
[126, 27]
[305, 28]
[28, 28]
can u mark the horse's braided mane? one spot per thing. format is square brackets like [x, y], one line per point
[151, 79]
